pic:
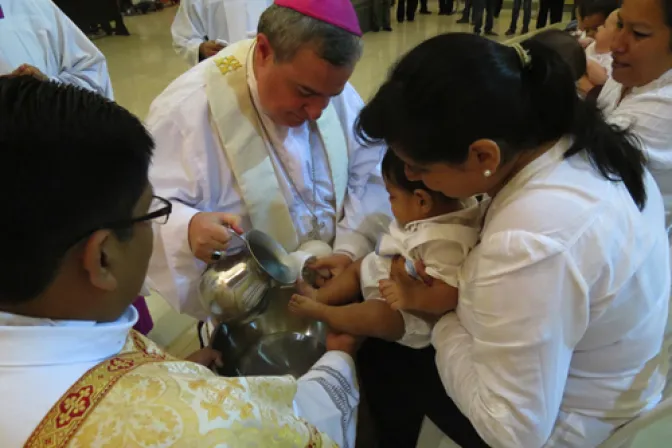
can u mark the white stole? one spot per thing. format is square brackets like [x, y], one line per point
[248, 153]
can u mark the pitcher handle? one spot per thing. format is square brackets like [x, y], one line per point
[235, 235]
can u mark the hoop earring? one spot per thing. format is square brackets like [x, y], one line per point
[487, 173]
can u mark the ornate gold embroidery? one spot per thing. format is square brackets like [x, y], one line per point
[174, 403]
[227, 64]
[67, 415]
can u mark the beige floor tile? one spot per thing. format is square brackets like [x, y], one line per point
[143, 64]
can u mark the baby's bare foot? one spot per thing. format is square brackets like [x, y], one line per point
[305, 306]
[305, 289]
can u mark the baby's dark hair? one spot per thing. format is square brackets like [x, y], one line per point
[393, 169]
[591, 7]
[568, 47]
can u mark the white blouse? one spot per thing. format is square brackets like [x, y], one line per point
[562, 309]
[647, 111]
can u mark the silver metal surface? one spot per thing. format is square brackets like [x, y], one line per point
[275, 343]
[234, 288]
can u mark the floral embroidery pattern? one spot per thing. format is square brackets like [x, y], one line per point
[145, 399]
[227, 64]
[74, 405]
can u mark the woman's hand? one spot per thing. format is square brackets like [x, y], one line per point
[343, 342]
[399, 273]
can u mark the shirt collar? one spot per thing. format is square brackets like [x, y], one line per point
[34, 341]
[550, 157]
[662, 81]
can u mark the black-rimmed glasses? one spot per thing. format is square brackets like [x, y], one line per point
[159, 212]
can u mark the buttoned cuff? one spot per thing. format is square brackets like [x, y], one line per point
[352, 244]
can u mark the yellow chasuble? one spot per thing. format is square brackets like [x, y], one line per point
[146, 398]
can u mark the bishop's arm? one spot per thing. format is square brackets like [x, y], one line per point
[187, 170]
[366, 209]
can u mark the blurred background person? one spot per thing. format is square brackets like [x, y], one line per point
[202, 28]
[38, 39]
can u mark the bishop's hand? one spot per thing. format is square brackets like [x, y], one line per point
[209, 234]
[332, 265]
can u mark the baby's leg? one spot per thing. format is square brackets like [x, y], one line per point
[340, 290]
[372, 318]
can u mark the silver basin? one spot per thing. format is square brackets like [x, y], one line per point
[275, 343]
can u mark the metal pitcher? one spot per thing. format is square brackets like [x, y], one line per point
[234, 288]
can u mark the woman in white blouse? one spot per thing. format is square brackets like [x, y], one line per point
[639, 95]
[563, 303]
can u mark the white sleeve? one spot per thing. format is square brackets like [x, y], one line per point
[366, 209]
[176, 175]
[328, 395]
[648, 116]
[188, 32]
[507, 372]
[80, 63]
[443, 258]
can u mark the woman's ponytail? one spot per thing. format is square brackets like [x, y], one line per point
[614, 152]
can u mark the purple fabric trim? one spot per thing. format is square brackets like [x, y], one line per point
[145, 322]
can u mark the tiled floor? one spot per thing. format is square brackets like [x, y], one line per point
[143, 64]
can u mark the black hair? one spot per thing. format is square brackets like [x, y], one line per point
[72, 161]
[394, 171]
[419, 112]
[592, 7]
[568, 47]
[667, 11]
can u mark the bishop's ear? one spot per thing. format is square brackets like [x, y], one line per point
[99, 259]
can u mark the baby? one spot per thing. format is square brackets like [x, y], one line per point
[574, 55]
[598, 53]
[592, 14]
[428, 227]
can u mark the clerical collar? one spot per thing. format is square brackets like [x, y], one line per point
[32, 341]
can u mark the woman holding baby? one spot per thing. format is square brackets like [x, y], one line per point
[562, 302]
[639, 95]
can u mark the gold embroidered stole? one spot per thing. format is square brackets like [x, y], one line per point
[143, 397]
[66, 417]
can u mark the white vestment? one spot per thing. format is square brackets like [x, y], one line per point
[192, 169]
[40, 359]
[604, 59]
[228, 21]
[557, 336]
[647, 112]
[37, 33]
[441, 243]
